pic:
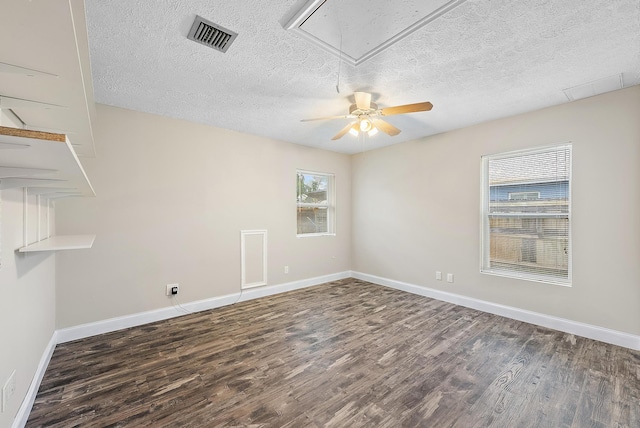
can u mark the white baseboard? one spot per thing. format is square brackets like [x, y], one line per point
[589, 331]
[269, 290]
[119, 323]
[27, 403]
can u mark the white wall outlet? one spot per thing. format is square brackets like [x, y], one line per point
[449, 277]
[439, 275]
[286, 269]
[173, 289]
[8, 390]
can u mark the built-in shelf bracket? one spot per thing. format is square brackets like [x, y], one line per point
[16, 172]
[12, 183]
[16, 69]
[11, 102]
[44, 241]
[48, 169]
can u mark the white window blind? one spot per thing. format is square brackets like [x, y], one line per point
[525, 236]
[315, 203]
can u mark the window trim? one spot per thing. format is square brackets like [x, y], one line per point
[330, 205]
[485, 241]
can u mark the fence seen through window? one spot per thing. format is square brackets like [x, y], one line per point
[526, 214]
[314, 203]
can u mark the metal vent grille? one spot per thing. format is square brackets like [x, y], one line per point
[210, 34]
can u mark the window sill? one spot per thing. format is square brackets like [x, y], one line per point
[531, 278]
[309, 235]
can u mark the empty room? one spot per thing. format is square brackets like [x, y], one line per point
[310, 213]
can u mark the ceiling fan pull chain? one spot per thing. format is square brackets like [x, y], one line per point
[338, 14]
[339, 63]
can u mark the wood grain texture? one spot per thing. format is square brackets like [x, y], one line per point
[27, 133]
[342, 354]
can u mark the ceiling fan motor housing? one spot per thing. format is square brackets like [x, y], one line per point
[354, 110]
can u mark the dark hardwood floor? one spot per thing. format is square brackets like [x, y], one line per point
[343, 354]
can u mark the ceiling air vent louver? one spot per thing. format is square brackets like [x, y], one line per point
[210, 34]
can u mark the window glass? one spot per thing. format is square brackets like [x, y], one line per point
[527, 213]
[315, 208]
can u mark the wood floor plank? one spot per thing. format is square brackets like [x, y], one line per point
[343, 354]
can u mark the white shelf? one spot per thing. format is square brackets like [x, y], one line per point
[63, 242]
[49, 160]
[45, 75]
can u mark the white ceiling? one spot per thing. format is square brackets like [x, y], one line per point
[482, 60]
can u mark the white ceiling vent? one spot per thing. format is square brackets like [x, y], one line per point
[213, 35]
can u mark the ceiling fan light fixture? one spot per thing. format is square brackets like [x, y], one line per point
[365, 125]
[367, 117]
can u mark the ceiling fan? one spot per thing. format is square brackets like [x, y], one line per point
[367, 116]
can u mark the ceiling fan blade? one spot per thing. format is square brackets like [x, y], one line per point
[363, 100]
[343, 131]
[385, 127]
[328, 117]
[407, 108]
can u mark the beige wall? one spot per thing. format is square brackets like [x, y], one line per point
[416, 210]
[27, 305]
[27, 302]
[172, 199]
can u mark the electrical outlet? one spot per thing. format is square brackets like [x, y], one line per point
[173, 289]
[286, 269]
[439, 275]
[8, 390]
[449, 277]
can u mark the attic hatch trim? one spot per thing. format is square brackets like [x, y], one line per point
[595, 87]
[212, 35]
[295, 23]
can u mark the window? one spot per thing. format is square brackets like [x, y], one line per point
[315, 203]
[526, 214]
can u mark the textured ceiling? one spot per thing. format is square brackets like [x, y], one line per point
[482, 60]
[355, 31]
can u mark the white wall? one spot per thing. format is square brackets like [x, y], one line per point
[27, 298]
[172, 197]
[416, 210]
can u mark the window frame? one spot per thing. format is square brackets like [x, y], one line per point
[485, 239]
[330, 206]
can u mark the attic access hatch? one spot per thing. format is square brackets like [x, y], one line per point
[362, 29]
